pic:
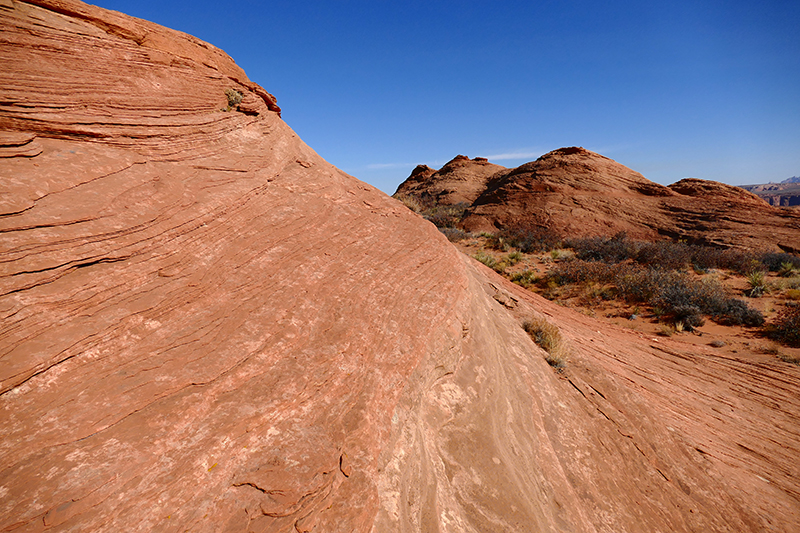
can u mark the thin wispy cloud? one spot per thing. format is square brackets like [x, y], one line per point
[381, 166]
[514, 155]
[378, 166]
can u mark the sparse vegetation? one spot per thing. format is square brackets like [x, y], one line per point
[787, 269]
[442, 216]
[527, 238]
[789, 359]
[677, 283]
[513, 258]
[678, 255]
[526, 278]
[757, 281]
[409, 201]
[672, 294]
[786, 328]
[234, 98]
[549, 338]
[487, 259]
[454, 234]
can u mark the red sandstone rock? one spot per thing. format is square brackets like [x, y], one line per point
[460, 180]
[207, 327]
[581, 193]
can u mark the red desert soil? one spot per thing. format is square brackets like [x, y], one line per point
[207, 327]
[581, 193]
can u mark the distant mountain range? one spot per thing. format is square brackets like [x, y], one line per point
[785, 193]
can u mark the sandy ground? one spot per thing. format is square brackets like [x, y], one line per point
[748, 342]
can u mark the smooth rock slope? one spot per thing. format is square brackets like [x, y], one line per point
[206, 327]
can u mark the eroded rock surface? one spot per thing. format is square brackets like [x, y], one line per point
[206, 327]
[461, 180]
[580, 193]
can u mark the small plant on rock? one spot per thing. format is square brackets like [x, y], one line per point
[487, 259]
[548, 337]
[234, 98]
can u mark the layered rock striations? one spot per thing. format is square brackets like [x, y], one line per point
[580, 193]
[207, 327]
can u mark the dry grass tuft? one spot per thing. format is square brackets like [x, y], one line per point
[234, 98]
[549, 338]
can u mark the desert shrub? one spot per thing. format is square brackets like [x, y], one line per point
[445, 216]
[513, 258]
[526, 278]
[548, 337]
[442, 216]
[758, 284]
[527, 238]
[411, 202]
[487, 259]
[787, 269]
[687, 317]
[454, 234]
[579, 271]
[735, 312]
[673, 293]
[783, 263]
[786, 328]
[687, 300]
[607, 249]
[234, 98]
[677, 255]
[560, 254]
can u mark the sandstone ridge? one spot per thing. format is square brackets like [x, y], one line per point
[207, 327]
[578, 192]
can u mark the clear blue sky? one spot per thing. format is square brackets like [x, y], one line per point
[707, 89]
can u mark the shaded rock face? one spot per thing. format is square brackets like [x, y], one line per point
[580, 193]
[207, 327]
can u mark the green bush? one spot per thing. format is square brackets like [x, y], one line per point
[787, 269]
[758, 284]
[513, 258]
[526, 278]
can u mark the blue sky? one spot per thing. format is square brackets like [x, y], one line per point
[707, 89]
